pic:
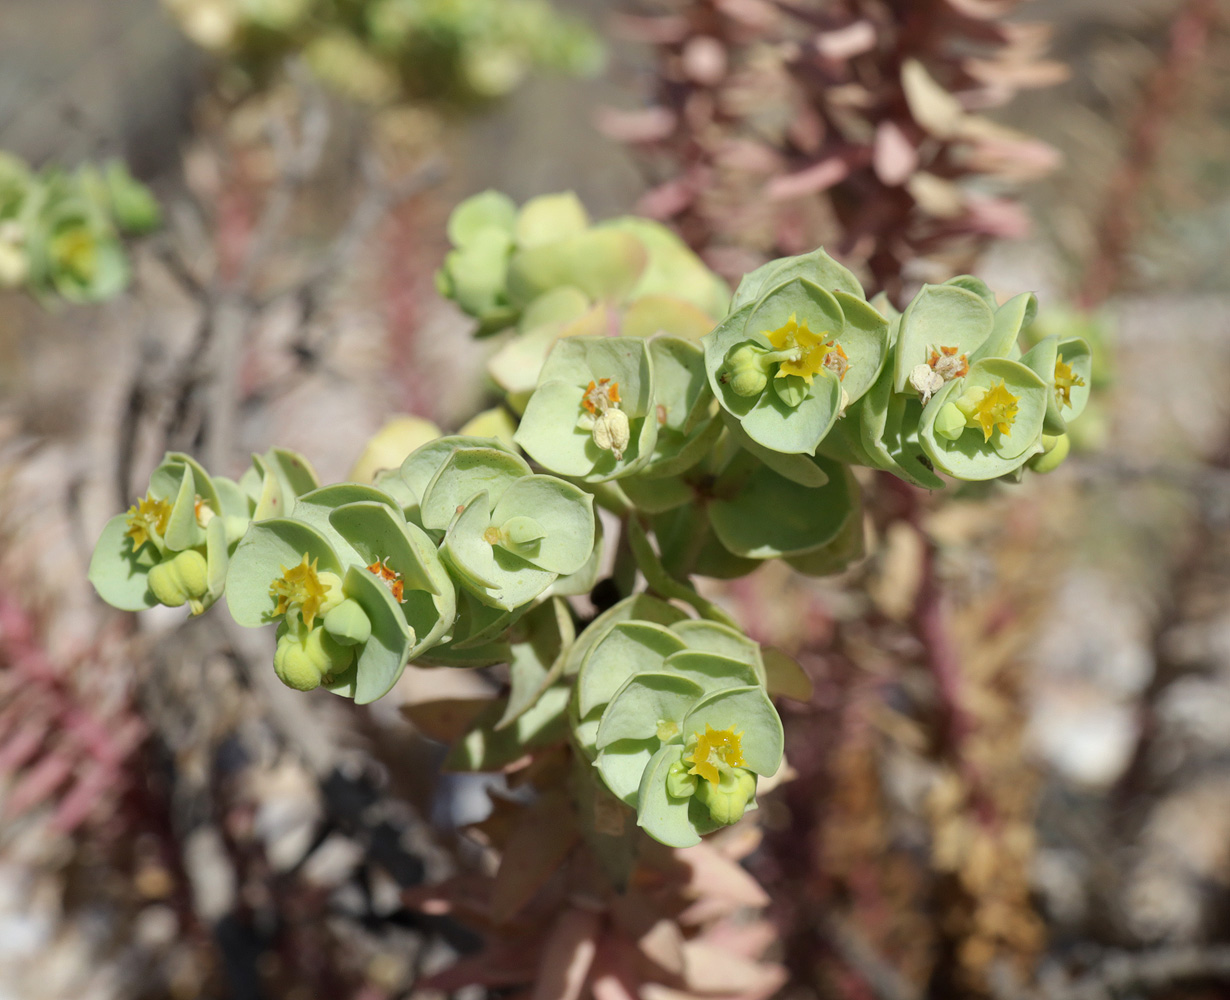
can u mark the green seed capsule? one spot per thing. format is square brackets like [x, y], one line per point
[180, 580]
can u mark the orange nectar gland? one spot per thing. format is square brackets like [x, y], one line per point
[800, 351]
[391, 579]
[299, 586]
[144, 515]
[943, 365]
[837, 360]
[601, 396]
[1065, 381]
[715, 748]
[997, 409]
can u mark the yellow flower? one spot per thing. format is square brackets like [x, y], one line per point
[997, 408]
[1065, 381]
[147, 514]
[299, 586]
[808, 349]
[715, 748]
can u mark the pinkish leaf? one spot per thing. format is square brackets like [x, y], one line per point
[846, 43]
[667, 199]
[610, 980]
[38, 784]
[82, 798]
[715, 970]
[998, 217]
[568, 956]
[896, 155]
[641, 126]
[22, 746]
[713, 875]
[818, 177]
[538, 845]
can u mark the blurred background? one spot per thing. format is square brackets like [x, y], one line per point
[1044, 813]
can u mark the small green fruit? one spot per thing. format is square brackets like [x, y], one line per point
[304, 658]
[728, 800]
[181, 580]
[1056, 450]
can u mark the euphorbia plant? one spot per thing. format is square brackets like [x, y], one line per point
[718, 436]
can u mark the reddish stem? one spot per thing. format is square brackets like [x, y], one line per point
[1189, 35]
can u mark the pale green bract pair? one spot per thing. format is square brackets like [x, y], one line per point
[719, 433]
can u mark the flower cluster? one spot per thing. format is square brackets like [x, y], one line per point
[60, 232]
[675, 715]
[386, 50]
[720, 432]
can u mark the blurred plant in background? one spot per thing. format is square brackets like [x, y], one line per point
[384, 51]
[859, 125]
[61, 232]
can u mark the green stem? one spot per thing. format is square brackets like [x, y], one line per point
[665, 585]
[610, 497]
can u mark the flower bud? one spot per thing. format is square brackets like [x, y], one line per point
[950, 421]
[747, 373]
[182, 579]
[1056, 450]
[729, 798]
[304, 658]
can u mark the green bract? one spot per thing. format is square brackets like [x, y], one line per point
[800, 344]
[358, 590]
[592, 415]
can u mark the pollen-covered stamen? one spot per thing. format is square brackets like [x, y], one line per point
[604, 417]
[836, 360]
[601, 396]
[300, 587]
[204, 513]
[1065, 381]
[147, 516]
[943, 365]
[715, 750]
[996, 410]
[390, 578]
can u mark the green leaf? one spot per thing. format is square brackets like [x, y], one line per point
[120, 575]
[493, 574]
[549, 431]
[939, 316]
[629, 647]
[1010, 319]
[621, 765]
[714, 637]
[817, 267]
[183, 530]
[550, 218]
[772, 516]
[785, 677]
[602, 263]
[658, 813]
[712, 672]
[638, 607]
[488, 210]
[648, 705]
[463, 475]
[564, 510]
[384, 656]
[865, 341]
